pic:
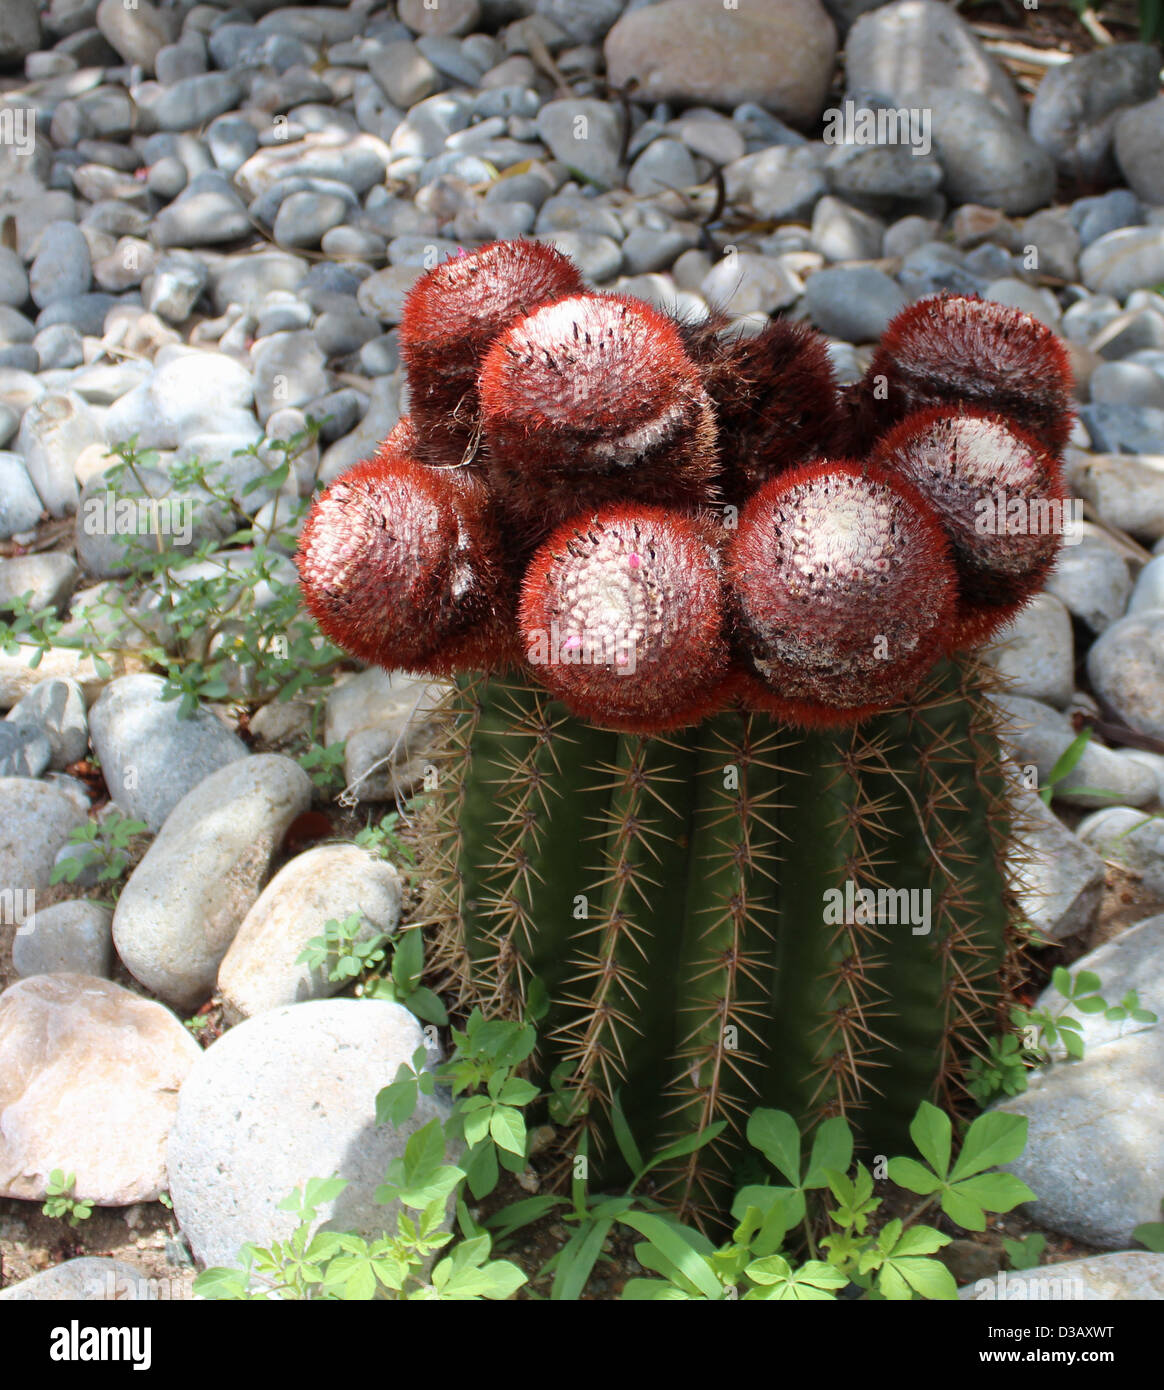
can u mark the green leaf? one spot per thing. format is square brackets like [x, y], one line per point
[908, 1172]
[671, 1242]
[992, 1139]
[998, 1192]
[507, 1127]
[623, 1137]
[777, 1136]
[931, 1132]
[832, 1148]
[930, 1278]
[577, 1259]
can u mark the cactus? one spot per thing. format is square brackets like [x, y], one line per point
[722, 774]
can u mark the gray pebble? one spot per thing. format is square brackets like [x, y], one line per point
[1139, 138]
[56, 709]
[1122, 261]
[1035, 651]
[855, 304]
[1126, 666]
[20, 504]
[62, 269]
[73, 937]
[1124, 429]
[1076, 105]
[24, 751]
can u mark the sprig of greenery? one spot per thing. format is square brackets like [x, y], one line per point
[106, 846]
[61, 1202]
[1004, 1072]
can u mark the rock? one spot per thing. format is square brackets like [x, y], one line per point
[1060, 879]
[248, 1131]
[1128, 429]
[18, 675]
[663, 164]
[1092, 580]
[853, 302]
[1126, 667]
[90, 1279]
[1149, 587]
[195, 101]
[404, 73]
[1132, 1274]
[783, 184]
[192, 389]
[37, 820]
[20, 504]
[137, 32]
[74, 938]
[24, 752]
[59, 346]
[1093, 1153]
[1128, 837]
[1076, 105]
[202, 217]
[304, 218]
[55, 708]
[916, 47]
[842, 233]
[585, 21]
[289, 370]
[1125, 492]
[446, 17]
[150, 755]
[382, 295]
[686, 51]
[986, 157]
[46, 579]
[261, 970]
[174, 286]
[745, 284]
[13, 279]
[62, 268]
[1119, 262]
[586, 135]
[374, 712]
[883, 172]
[1039, 736]
[1139, 141]
[358, 162]
[186, 899]
[53, 431]
[1035, 652]
[599, 258]
[1095, 217]
[89, 1080]
[19, 30]
[1126, 383]
[710, 134]
[382, 413]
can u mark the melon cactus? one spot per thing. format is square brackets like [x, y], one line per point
[722, 774]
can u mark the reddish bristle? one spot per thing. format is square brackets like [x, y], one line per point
[961, 350]
[845, 590]
[775, 400]
[621, 617]
[589, 400]
[398, 567]
[1000, 498]
[451, 316]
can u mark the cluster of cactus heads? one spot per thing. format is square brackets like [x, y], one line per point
[656, 521]
[650, 552]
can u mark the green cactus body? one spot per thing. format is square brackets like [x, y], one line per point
[683, 900]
